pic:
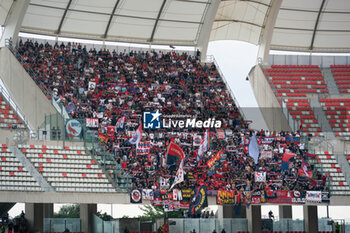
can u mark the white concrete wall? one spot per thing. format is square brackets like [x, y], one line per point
[23, 90]
[269, 106]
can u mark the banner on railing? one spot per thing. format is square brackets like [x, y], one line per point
[147, 194]
[92, 122]
[266, 154]
[73, 128]
[135, 196]
[314, 196]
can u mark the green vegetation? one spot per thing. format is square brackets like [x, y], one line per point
[151, 213]
[68, 211]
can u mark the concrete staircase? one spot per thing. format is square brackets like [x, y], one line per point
[329, 80]
[321, 118]
[344, 165]
[45, 186]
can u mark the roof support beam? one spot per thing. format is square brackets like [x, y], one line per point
[157, 20]
[267, 31]
[110, 18]
[14, 21]
[63, 17]
[316, 25]
[205, 29]
[117, 15]
[238, 21]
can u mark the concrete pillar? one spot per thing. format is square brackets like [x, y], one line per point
[310, 219]
[220, 213]
[35, 214]
[86, 217]
[204, 35]
[231, 211]
[254, 218]
[14, 21]
[267, 31]
[285, 211]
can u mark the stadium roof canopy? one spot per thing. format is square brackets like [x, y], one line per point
[302, 25]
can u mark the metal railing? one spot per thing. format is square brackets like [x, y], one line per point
[14, 106]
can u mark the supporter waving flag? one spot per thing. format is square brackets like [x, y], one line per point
[179, 175]
[136, 138]
[174, 154]
[120, 123]
[307, 173]
[304, 169]
[253, 149]
[204, 146]
[286, 157]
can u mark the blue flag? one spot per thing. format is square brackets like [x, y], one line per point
[253, 149]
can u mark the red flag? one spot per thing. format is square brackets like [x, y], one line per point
[287, 156]
[174, 154]
[306, 172]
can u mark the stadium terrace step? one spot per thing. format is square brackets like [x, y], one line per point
[328, 164]
[321, 118]
[14, 175]
[301, 110]
[8, 117]
[68, 169]
[329, 79]
[45, 186]
[341, 74]
[337, 113]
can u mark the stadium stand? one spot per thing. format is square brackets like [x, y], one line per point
[68, 169]
[291, 83]
[327, 163]
[341, 75]
[336, 111]
[202, 97]
[296, 81]
[8, 117]
[301, 111]
[13, 175]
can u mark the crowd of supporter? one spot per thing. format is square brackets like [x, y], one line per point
[107, 85]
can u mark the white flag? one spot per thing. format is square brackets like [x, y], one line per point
[204, 145]
[136, 138]
[179, 175]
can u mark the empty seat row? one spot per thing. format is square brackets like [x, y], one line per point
[294, 66]
[337, 112]
[57, 156]
[8, 117]
[282, 78]
[292, 74]
[49, 151]
[340, 66]
[293, 70]
[13, 175]
[298, 82]
[68, 169]
[50, 147]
